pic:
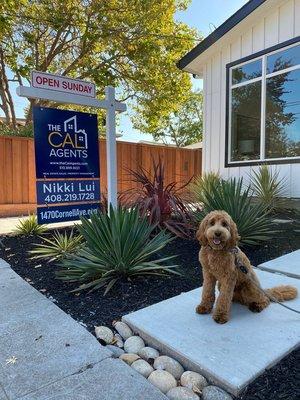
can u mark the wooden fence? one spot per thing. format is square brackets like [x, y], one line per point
[17, 169]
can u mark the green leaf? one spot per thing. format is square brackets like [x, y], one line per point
[117, 246]
[252, 218]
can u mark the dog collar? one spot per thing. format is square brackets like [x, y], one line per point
[235, 250]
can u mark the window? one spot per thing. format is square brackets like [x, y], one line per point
[264, 107]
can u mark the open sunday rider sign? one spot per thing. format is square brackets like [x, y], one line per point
[60, 83]
[67, 164]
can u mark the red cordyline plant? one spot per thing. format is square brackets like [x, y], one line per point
[162, 203]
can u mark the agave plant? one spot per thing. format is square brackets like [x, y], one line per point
[58, 247]
[117, 245]
[161, 203]
[268, 187]
[204, 183]
[29, 226]
[252, 219]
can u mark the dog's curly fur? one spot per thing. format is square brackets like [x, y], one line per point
[218, 235]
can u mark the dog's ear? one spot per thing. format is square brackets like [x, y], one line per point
[200, 234]
[234, 235]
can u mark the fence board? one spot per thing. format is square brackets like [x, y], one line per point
[2, 173]
[17, 169]
[8, 178]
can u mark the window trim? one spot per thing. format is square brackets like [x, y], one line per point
[263, 55]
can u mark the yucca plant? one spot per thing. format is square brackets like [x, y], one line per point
[252, 219]
[204, 183]
[58, 247]
[268, 187]
[163, 204]
[29, 226]
[117, 245]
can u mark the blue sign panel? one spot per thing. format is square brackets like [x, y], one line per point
[46, 215]
[66, 144]
[66, 191]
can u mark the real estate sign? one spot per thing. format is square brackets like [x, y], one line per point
[67, 164]
[66, 144]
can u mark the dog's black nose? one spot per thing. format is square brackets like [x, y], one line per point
[218, 233]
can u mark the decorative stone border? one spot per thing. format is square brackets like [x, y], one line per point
[164, 372]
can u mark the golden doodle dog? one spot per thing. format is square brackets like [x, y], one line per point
[220, 259]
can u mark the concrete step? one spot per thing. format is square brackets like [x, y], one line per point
[230, 355]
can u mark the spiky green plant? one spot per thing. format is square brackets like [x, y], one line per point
[204, 184]
[117, 245]
[268, 187]
[58, 247]
[252, 219]
[29, 226]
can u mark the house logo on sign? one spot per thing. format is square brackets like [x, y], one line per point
[68, 141]
[81, 136]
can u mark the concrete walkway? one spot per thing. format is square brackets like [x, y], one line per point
[45, 354]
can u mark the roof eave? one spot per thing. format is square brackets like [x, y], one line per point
[229, 24]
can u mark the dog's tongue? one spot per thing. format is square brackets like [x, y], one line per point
[217, 241]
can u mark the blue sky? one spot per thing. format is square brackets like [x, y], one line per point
[201, 14]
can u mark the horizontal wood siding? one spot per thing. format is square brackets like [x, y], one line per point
[278, 25]
[17, 169]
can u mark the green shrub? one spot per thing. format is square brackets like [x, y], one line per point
[58, 247]
[117, 245]
[29, 226]
[268, 187]
[252, 219]
[204, 184]
[21, 131]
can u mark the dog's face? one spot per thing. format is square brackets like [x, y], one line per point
[218, 230]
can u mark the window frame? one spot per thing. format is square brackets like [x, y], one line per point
[228, 137]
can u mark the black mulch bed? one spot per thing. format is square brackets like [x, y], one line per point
[281, 382]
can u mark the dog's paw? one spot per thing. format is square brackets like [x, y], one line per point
[203, 309]
[221, 318]
[257, 307]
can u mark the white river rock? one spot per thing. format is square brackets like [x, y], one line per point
[129, 358]
[123, 329]
[148, 353]
[142, 367]
[163, 380]
[193, 380]
[104, 333]
[134, 344]
[170, 365]
[118, 340]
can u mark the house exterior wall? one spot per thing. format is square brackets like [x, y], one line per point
[279, 23]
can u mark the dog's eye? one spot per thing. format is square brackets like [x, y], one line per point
[212, 222]
[224, 224]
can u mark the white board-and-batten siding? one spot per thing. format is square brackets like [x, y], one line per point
[279, 24]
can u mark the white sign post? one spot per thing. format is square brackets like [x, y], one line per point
[61, 89]
[111, 146]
